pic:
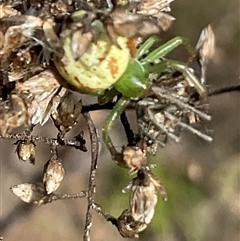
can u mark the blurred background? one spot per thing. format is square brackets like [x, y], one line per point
[202, 179]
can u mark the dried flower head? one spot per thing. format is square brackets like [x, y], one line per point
[13, 115]
[53, 174]
[67, 113]
[143, 197]
[26, 151]
[7, 10]
[134, 158]
[43, 93]
[29, 193]
[59, 8]
[205, 49]
[128, 227]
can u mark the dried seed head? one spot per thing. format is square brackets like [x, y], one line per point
[131, 25]
[128, 227]
[59, 8]
[14, 115]
[53, 174]
[43, 95]
[7, 10]
[134, 158]
[144, 196]
[67, 113]
[26, 151]
[205, 49]
[29, 193]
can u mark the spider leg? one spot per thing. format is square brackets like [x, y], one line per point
[144, 48]
[109, 122]
[188, 74]
[168, 47]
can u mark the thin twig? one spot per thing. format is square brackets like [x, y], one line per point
[77, 142]
[55, 197]
[107, 216]
[129, 133]
[223, 90]
[95, 151]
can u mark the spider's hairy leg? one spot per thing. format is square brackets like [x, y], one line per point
[144, 48]
[168, 47]
[186, 71]
[109, 122]
[107, 96]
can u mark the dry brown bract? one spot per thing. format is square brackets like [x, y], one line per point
[53, 174]
[43, 94]
[128, 227]
[67, 113]
[26, 151]
[144, 196]
[134, 158]
[29, 193]
[13, 115]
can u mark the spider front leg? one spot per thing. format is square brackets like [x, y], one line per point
[188, 74]
[184, 69]
[161, 52]
[164, 49]
[109, 122]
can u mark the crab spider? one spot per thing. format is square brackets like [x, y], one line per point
[111, 70]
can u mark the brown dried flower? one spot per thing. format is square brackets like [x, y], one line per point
[127, 226]
[143, 197]
[29, 193]
[43, 95]
[26, 151]
[53, 174]
[67, 113]
[205, 49]
[13, 115]
[134, 158]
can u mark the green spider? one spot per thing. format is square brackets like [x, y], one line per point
[107, 70]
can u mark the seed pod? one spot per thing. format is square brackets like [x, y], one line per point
[134, 158]
[205, 49]
[144, 196]
[26, 151]
[29, 193]
[53, 174]
[67, 113]
[127, 226]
